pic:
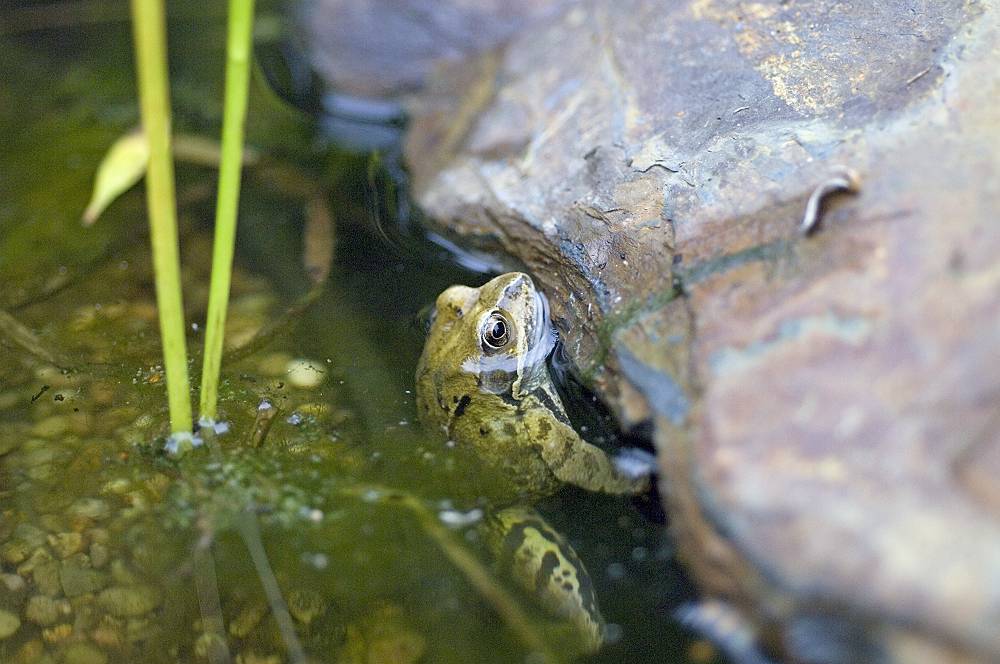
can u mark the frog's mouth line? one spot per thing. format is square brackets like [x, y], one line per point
[544, 334]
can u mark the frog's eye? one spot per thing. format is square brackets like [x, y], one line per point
[496, 332]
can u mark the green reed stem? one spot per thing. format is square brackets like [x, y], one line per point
[234, 116]
[149, 29]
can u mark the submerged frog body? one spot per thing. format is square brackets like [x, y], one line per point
[528, 551]
[482, 379]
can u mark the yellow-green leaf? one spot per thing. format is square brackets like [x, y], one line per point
[123, 166]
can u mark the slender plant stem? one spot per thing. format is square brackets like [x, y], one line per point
[227, 205]
[478, 576]
[149, 27]
[27, 340]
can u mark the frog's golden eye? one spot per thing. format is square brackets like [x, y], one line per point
[496, 332]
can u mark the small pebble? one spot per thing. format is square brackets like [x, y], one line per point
[52, 523]
[33, 535]
[158, 484]
[99, 535]
[9, 624]
[318, 560]
[51, 427]
[42, 610]
[210, 646]
[139, 629]
[77, 578]
[32, 652]
[66, 544]
[46, 578]
[305, 605]
[83, 653]
[41, 472]
[102, 393]
[57, 634]
[13, 582]
[91, 508]
[117, 487]
[36, 452]
[248, 618]
[305, 374]
[274, 364]
[15, 552]
[137, 501]
[404, 647]
[108, 635]
[99, 555]
[9, 400]
[129, 601]
[122, 575]
[251, 657]
[56, 377]
[37, 557]
[8, 443]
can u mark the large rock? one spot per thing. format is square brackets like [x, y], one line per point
[380, 49]
[826, 408]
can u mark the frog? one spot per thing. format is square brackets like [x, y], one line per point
[483, 381]
[532, 554]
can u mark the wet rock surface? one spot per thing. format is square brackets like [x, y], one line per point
[824, 407]
[384, 48]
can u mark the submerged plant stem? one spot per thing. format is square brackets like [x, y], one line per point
[21, 336]
[277, 326]
[227, 205]
[207, 587]
[478, 576]
[149, 29]
[249, 530]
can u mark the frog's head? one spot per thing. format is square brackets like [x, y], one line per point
[493, 339]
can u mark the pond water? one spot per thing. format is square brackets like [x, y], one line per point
[370, 528]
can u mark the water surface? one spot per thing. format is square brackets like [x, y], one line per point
[113, 551]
